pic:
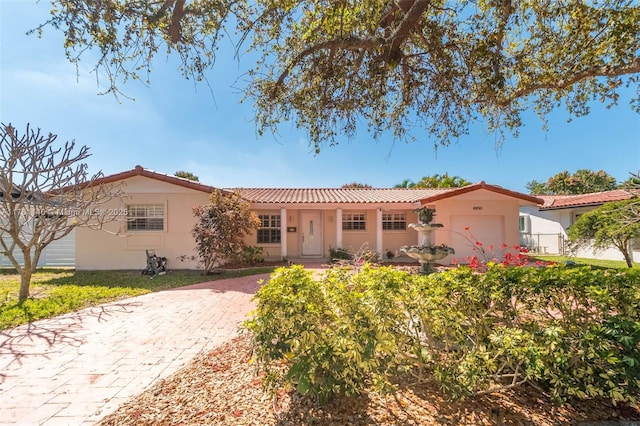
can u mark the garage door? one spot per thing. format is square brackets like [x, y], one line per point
[489, 230]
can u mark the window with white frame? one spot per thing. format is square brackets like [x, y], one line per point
[524, 223]
[145, 217]
[394, 221]
[269, 231]
[353, 222]
[575, 217]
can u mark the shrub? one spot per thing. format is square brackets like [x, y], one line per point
[339, 253]
[251, 255]
[327, 337]
[575, 332]
[220, 229]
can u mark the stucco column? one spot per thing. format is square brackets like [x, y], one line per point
[339, 228]
[283, 233]
[379, 232]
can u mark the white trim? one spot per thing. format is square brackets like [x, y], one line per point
[283, 233]
[379, 232]
[339, 228]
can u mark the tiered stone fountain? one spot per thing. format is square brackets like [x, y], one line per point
[426, 253]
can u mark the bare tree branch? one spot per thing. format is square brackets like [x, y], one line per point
[44, 196]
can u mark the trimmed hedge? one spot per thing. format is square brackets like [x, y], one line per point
[574, 332]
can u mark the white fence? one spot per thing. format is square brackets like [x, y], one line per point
[544, 243]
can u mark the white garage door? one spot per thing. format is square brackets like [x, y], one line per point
[57, 254]
[489, 230]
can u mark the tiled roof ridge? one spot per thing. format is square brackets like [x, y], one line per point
[554, 201]
[165, 177]
[333, 188]
[585, 194]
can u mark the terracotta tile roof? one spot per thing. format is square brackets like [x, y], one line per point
[336, 195]
[482, 185]
[552, 202]
[141, 171]
[325, 195]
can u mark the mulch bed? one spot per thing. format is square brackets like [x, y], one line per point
[221, 388]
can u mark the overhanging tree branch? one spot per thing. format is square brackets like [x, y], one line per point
[609, 71]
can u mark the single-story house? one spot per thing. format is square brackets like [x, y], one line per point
[544, 228]
[298, 223]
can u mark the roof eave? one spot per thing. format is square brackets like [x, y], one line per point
[141, 171]
[530, 199]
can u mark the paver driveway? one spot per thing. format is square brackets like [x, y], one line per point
[77, 368]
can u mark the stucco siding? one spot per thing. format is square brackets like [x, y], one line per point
[477, 204]
[547, 234]
[117, 248]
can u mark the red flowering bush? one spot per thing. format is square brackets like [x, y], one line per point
[489, 254]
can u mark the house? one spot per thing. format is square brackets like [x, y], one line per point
[544, 228]
[298, 223]
[156, 214]
[58, 253]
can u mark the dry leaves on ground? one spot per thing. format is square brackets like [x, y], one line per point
[221, 388]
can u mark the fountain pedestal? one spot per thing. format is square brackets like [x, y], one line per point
[426, 253]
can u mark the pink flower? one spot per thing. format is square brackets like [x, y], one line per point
[466, 228]
[478, 243]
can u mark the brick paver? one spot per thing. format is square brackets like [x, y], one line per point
[77, 368]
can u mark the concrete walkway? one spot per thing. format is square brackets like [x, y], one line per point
[77, 368]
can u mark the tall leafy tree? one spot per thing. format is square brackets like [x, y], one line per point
[45, 192]
[415, 68]
[220, 228]
[356, 185]
[583, 181]
[435, 181]
[187, 175]
[407, 183]
[607, 226]
[537, 188]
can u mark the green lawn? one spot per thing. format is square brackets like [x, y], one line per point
[579, 261]
[59, 291]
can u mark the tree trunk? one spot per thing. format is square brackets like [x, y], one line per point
[627, 258]
[25, 274]
[25, 281]
[624, 248]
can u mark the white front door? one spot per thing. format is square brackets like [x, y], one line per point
[311, 233]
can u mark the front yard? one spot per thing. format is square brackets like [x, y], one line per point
[59, 291]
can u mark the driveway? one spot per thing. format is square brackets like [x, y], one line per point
[77, 368]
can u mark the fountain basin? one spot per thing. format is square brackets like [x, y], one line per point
[427, 253]
[424, 227]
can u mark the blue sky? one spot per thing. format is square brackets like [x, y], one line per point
[175, 124]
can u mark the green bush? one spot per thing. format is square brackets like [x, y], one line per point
[251, 255]
[575, 332]
[339, 253]
[330, 336]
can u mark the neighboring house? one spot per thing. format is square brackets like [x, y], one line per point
[297, 223]
[543, 228]
[59, 253]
